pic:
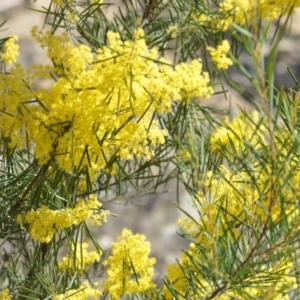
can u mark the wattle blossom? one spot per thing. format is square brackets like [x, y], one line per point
[45, 222]
[102, 104]
[129, 269]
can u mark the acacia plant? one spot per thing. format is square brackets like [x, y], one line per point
[123, 115]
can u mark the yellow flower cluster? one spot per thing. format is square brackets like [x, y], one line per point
[79, 259]
[243, 197]
[173, 31]
[129, 270]
[243, 11]
[270, 283]
[58, 2]
[237, 200]
[11, 50]
[46, 222]
[219, 55]
[84, 292]
[272, 9]
[101, 105]
[238, 134]
[5, 295]
[250, 192]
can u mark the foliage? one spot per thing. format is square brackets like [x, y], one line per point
[116, 108]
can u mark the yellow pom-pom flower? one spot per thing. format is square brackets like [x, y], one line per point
[5, 295]
[11, 50]
[79, 259]
[45, 222]
[84, 292]
[219, 55]
[129, 269]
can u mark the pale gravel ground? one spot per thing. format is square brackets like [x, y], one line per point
[157, 218]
